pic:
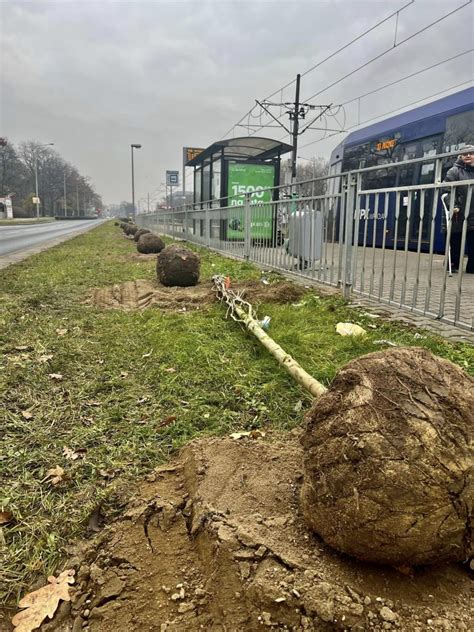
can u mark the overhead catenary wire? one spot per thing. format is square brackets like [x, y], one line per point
[323, 61]
[389, 50]
[388, 85]
[370, 120]
[383, 53]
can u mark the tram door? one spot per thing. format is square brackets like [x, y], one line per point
[418, 173]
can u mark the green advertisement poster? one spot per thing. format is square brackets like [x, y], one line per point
[253, 179]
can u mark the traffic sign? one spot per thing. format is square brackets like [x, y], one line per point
[172, 178]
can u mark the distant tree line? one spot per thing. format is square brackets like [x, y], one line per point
[18, 166]
[309, 170]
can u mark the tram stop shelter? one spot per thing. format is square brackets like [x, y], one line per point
[228, 169]
[225, 167]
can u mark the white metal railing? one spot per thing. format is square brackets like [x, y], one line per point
[382, 243]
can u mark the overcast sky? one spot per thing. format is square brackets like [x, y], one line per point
[93, 77]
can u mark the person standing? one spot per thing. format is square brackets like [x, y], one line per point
[463, 169]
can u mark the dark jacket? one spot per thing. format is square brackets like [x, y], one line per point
[460, 171]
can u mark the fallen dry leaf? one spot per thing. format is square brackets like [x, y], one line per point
[61, 332]
[56, 376]
[252, 434]
[55, 475]
[124, 374]
[23, 348]
[171, 370]
[43, 602]
[5, 517]
[26, 414]
[167, 421]
[298, 406]
[146, 355]
[45, 358]
[73, 455]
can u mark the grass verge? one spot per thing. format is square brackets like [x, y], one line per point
[130, 388]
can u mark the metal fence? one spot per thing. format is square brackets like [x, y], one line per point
[386, 243]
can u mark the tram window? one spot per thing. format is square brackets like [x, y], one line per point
[406, 173]
[353, 156]
[429, 147]
[459, 131]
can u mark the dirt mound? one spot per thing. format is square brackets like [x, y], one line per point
[140, 232]
[388, 456]
[139, 294]
[149, 243]
[177, 265]
[212, 544]
[130, 229]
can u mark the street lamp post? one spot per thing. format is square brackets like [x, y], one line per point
[65, 194]
[132, 147]
[36, 176]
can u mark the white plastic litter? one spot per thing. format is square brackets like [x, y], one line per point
[350, 329]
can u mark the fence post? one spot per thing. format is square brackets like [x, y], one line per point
[207, 222]
[349, 199]
[247, 225]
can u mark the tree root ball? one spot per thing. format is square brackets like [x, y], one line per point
[140, 232]
[149, 243]
[388, 452]
[130, 229]
[178, 266]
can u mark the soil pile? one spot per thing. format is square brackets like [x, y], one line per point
[214, 544]
[388, 450]
[130, 229]
[140, 294]
[149, 243]
[178, 266]
[140, 232]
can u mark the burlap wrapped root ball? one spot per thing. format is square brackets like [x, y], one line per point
[388, 460]
[140, 232]
[179, 266]
[149, 243]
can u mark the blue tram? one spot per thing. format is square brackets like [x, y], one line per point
[442, 126]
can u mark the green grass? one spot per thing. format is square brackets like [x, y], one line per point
[118, 394]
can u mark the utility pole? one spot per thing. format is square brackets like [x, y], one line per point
[148, 207]
[295, 117]
[36, 185]
[36, 176]
[297, 111]
[132, 147]
[65, 194]
[77, 200]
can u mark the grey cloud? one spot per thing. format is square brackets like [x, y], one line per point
[95, 76]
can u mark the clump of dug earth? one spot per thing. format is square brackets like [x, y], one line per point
[388, 451]
[140, 232]
[130, 229]
[149, 243]
[178, 266]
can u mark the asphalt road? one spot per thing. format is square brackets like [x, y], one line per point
[19, 237]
